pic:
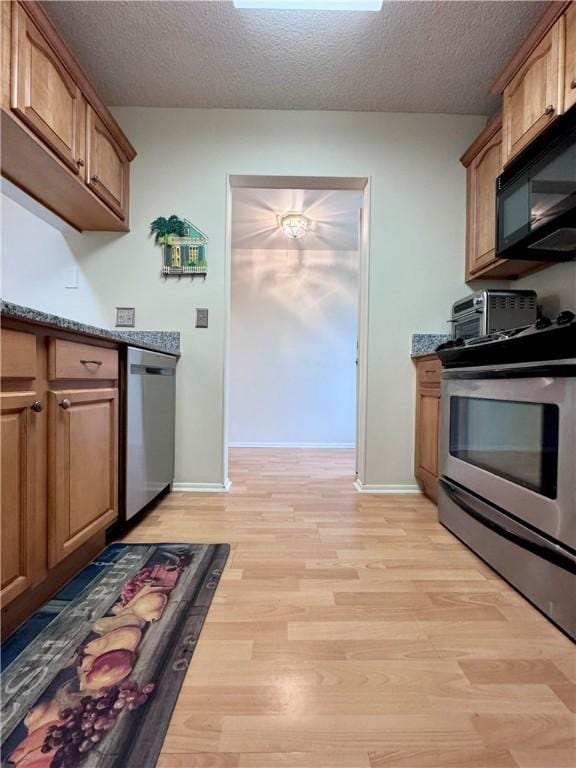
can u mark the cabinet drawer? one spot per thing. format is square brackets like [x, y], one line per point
[18, 350]
[429, 373]
[72, 360]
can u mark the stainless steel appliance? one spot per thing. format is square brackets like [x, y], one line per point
[536, 199]
[508, 458]
[150, 426]
[492, 310]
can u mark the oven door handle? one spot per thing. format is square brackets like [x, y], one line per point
[512, 531]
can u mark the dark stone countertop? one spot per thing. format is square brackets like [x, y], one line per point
[156, 341]
[426, 343]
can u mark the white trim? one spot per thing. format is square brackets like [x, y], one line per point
[361, 488]
[363, 315]
[202, 487]
[301, 182]
[290, 445]
[226, 347]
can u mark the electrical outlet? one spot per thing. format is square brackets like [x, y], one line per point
[125, 317]
[201, 318]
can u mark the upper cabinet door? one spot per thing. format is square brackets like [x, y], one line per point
[482, 174]
[44, 95]
[107, 166]
[534, 97]
[570, 48]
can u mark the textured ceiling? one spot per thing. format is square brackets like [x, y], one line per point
[409, 57]
[333, 216]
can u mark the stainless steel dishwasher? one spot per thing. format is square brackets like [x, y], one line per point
[150, 426]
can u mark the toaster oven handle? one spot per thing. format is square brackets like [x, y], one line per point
[512, 531]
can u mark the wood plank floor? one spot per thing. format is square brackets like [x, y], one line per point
[353, 631]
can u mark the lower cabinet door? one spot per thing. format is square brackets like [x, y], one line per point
[19, 444]
[83, 461]
[427, 425]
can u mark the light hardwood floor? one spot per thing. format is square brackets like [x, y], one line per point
[353, 631]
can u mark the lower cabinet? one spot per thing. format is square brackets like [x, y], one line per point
[59, 463]
[426, 471]
[83, 459]
[19, 441]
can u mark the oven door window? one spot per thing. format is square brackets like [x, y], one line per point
[467, 328]
[514, 440]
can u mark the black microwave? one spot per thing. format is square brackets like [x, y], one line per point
[536, 199]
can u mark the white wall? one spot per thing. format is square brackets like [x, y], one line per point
[293, 347]
[39, 257]
[417, 248]
[555, 286]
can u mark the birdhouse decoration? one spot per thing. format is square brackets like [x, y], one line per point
[183, 246]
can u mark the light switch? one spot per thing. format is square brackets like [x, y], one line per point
[201, 318]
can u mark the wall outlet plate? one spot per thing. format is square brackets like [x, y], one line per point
[201, 318]
[125, 317]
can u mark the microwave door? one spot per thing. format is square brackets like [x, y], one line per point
[513, 213]
[536, 207]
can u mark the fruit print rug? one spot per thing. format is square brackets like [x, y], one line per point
[91, 679]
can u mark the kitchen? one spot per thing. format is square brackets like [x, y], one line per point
[432, 243]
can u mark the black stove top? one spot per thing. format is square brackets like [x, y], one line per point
[545, 340]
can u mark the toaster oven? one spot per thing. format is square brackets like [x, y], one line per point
[491, 310]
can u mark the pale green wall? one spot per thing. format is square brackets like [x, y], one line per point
[417, 248]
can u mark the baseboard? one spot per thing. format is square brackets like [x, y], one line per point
[291, 445]
[202, 487]
[361, 488]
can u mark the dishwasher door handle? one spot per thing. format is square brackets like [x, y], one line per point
[151, 370]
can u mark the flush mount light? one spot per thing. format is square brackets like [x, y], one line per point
[310, 5]
[295, 225]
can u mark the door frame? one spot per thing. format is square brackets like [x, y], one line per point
[356, 183]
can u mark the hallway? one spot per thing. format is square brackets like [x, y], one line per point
[353, 631]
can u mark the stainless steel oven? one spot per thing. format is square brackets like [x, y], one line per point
[508, 472]
[509, 435]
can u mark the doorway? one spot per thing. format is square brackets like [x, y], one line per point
[296, 332]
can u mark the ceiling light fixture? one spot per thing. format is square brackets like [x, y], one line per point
[295, 225]
[310, 5]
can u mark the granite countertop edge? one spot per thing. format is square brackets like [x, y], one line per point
[167, 342]
[423, 344]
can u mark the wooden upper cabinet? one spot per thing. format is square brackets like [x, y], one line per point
[482, 171]
[60, 143]
[83, 467]
[535, 95]
[483, 163]
[107, 167]
[44, 95]
[570, 54]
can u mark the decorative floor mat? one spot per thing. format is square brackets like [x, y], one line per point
[91, 679]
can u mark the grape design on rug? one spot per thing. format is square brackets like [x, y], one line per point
[83, 676]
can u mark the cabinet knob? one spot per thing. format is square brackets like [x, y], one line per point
[573, 84]
[37, 406]
[549, 109]
[65, 404]
[95, 179]
[80, 163]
